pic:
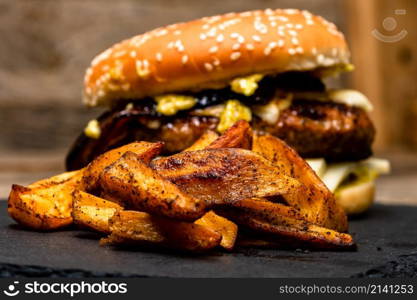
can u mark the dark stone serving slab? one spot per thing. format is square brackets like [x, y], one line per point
[386, 238]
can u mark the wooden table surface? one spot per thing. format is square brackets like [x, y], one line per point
[400, 187]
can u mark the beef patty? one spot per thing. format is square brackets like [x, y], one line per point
[334, 131]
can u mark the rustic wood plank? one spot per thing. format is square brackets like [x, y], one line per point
[386, 71]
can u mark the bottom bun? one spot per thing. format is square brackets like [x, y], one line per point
[356, 199]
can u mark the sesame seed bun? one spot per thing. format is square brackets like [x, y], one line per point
[209, 52]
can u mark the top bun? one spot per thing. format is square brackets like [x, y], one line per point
[209, 52]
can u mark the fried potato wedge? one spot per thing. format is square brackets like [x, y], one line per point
[133, 227]
[237, 136]
[204, 141]
[46, 204]
[286, 224]
[318, 205]
[146, 151]
[93, 212]
[227, 229]
[141, 188]
[218, 176]
[57, 179]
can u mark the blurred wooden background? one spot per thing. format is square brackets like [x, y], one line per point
[45, 46]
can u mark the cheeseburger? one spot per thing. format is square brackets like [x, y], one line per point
[267, 67]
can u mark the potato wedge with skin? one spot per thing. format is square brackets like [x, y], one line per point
[227, 229]
[57, 179]
[286, 224]
[141, 188]
[218, 176]
[146, 151]
[237, 136]
[318, 205]
[205, 140]
[46, 204]
[93, 212]
[133, 227]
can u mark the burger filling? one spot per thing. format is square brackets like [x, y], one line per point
[294, 106]
[340, 176]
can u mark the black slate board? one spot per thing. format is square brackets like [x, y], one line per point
[384, 234]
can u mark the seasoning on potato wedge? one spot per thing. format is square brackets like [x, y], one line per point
[46, 204]
[93, 212]
[140, 228]
[195, 200]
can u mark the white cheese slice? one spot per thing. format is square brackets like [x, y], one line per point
[336, 173]
[318, 165]
[380, 165]
[351, 98]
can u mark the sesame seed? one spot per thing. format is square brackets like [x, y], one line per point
[212, 32]
[310, 22]
[179, 46]
[289, 25]
[220, 38]
[234, 35]
[299, 50]
[292, 32]
[170, 45]
[206, 26]
[267, 51]
[268, 11]
[256, 38]
[132, 53]
[235, 55]
[280, 43]
[320, 58]
[269, 48]
[208, 66]
[119, 53]
[250, 46]
[246, 14]
[203, 36]
[281, 33]
[161, 32]
[177, 32]
[213, 49]
[184, 59]
[142, 68]
[273, 24]
[314, 51]
[158, 56]
[216, 62]
[299, 26]
[291, 51]
[290, 11]
[294, 40]
[236, 46]
[241, 39]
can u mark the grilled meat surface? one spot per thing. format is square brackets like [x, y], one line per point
[334, 131]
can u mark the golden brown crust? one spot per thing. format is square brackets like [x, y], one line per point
[210, 51]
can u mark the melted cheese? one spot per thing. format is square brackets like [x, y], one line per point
[246, 85]
[233, 112]
[170, 104]
[93, 130]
